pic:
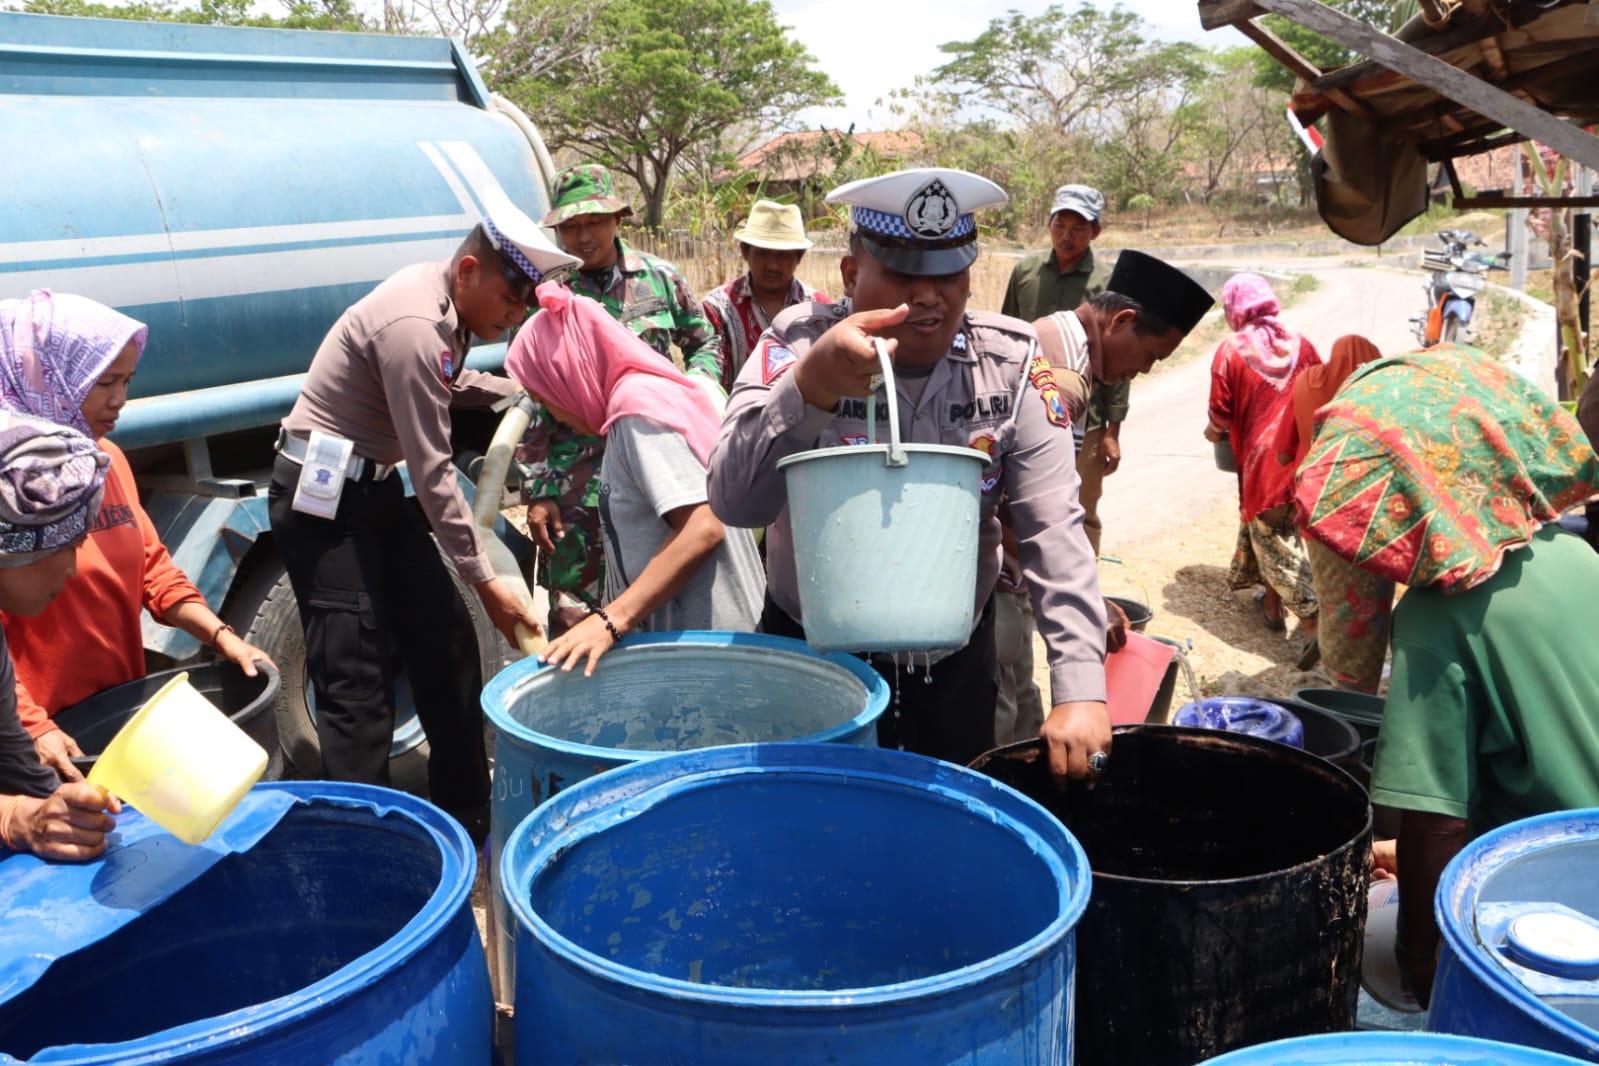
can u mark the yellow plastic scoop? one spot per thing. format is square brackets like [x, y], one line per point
[181, 762]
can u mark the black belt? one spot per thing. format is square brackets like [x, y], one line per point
[357, 468]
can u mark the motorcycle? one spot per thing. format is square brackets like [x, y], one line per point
[1456, 275]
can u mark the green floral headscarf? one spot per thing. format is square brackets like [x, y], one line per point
[1426, 468]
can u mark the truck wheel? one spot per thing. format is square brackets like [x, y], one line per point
[271, 621]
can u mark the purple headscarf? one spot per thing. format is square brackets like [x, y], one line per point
[51, 481]
[53, 348]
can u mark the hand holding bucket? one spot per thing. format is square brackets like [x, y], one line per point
[181, 762]
[886, 538]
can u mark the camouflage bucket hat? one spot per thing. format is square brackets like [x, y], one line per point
[583, 190]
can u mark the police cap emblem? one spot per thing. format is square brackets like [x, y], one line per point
[932, 211]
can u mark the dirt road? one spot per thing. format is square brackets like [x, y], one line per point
[1168, 478]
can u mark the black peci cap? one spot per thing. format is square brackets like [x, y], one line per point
[1161, 289]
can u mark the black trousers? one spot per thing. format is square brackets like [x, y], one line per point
[947, 712]
[375, 596]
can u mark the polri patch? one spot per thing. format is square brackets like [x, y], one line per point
[775, 359]
[1042, 377]
[447, 365]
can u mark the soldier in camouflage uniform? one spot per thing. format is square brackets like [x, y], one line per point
[561, 469]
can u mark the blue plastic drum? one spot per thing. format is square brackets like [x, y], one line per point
[652, 695]
[321, 923]
[794, 903]
[1389, 1049]
[1244, 714]
[1519, 912]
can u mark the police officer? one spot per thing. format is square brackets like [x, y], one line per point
[373, 593]
[964, 378]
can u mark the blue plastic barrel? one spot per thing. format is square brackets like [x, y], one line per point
[1519, 912]
[794, 903]
[339, 930]
[1244, 714]
[654, 694]
[1389, 1049]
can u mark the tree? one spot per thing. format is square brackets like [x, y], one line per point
[1386, 15]
[1056, 70]
[660, 83]
[298, 14]
[1235, 124]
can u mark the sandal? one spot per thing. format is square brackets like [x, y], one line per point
[1309, 654]
[1276, 625]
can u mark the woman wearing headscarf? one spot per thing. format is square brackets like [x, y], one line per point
[51, 480]
[1251, 383]
[68, 360]
[1445, 472]
[669, 562]
[1354, 604]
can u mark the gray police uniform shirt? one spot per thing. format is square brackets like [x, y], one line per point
[994, 392]
[385, 378]
[648, 472]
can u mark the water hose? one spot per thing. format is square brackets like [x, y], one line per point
[486, 510]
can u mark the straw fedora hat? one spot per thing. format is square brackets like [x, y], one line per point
[778, 227]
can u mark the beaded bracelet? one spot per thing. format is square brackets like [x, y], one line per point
[221, 629]
[616, 634]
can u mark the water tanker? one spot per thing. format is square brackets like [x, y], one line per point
[236, 189]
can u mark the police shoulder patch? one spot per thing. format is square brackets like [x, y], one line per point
[1042, 378]
[775, 359]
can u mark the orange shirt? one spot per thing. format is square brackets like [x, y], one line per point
[89, 639]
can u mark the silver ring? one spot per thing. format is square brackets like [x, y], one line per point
[1097, 762]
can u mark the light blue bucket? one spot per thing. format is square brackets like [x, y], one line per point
[885, 539]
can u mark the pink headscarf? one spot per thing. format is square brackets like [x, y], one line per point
[576, 356]
[1266, 344]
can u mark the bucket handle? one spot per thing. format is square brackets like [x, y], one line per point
[885, 380]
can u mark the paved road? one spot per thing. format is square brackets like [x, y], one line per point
[1168, 477]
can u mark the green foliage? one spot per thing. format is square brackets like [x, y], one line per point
[298, 14]
[1061, 69]
[664, 83]
[1386, 15]
[1066, 95]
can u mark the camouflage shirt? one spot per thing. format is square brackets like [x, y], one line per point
[651, 297]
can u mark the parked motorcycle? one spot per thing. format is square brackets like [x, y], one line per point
[1456, 275]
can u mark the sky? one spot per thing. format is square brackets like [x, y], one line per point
[871, 47]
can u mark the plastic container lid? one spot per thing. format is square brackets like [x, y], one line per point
[1554, 943]
[1244, 714]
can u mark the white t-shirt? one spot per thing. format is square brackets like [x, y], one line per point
[648, 472]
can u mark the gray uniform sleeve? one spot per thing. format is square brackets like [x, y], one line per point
[406, 354]
[1060, 568]
[474, 388]
[763, 424]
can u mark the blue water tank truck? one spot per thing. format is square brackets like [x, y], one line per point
[236, 189]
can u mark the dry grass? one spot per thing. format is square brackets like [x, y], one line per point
[707, 263]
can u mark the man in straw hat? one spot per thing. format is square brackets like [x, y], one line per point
[964, 378]
[51, 482]
[649, 296]
[372, 591]
[772, 242]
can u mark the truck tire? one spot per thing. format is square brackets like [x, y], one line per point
[270, 619]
